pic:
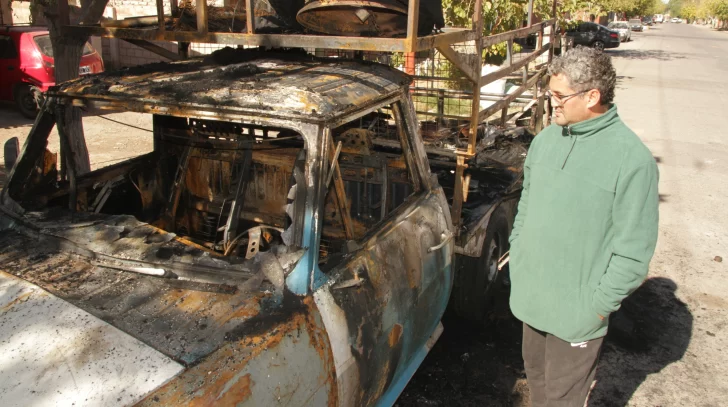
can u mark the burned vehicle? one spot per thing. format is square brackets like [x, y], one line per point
[288, 241]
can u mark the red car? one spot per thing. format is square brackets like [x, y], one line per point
[27, 65]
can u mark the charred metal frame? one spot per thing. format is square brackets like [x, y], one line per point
[443, 42]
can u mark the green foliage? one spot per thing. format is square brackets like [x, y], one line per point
[498, 16]
[631, 7]
[717, 8]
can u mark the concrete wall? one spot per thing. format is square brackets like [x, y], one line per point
[20, 12]
[136, 8]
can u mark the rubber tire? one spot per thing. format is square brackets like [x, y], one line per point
[25, 100]
[475, 288]
[598, 45]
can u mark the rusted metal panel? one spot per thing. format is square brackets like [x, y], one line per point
[245, 82]
[449, 36]
[160, 14]
[386, 308]
[276, 361]
[201, 7]
[413, 18]
[380, 18]
[57, 354]
[264, 40]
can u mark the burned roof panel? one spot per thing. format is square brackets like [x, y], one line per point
[280, 85]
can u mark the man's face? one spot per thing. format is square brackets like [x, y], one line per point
[569, 105]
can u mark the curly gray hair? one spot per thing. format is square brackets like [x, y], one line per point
[587, 68]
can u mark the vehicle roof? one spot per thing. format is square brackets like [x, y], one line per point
[244, 82]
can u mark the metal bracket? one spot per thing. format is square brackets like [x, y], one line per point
[253, 243]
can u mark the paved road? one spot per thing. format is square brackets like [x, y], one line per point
[668, 346]
[673, 91]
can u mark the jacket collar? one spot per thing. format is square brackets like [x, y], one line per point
[592, 126]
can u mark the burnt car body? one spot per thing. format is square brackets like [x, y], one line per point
[285, 243]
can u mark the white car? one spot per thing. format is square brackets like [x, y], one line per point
[622, 27]
[675, 20]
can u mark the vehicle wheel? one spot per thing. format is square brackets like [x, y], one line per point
[598, 45]
[478, 279]
[26, 101]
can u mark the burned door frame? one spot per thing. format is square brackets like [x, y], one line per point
[383, 303]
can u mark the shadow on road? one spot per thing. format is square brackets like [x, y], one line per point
[473, 365]
[3, 177]
[657, 54]
[651, 330]
[482, 366]
[11, 118]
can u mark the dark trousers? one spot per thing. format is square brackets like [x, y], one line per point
[560, 374]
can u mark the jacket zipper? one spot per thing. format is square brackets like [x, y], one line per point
[568, 129]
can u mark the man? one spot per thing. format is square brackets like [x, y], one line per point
[585, 231]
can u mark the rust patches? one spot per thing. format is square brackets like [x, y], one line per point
[242, 392]
[395, 334]
[50, 160]
[320, 341]
[21, 298]
[221, 379]
[250, 309]
[413, 277]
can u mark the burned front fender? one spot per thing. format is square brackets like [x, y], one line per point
[279, 358]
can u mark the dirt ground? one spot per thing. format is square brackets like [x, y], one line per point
[665, 346]
[108, 140]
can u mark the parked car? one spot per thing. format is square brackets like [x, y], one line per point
[647, 21]
[659, 18]
[622, 27]
[675, 20]
[636, 25]
[594, 35]
[27, 66]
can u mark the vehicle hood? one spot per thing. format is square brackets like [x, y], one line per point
[54, 353]
[77, 326]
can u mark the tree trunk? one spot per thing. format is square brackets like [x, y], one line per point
[67, 51]
[66, 68]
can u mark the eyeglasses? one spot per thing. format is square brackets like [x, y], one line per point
[564, 98]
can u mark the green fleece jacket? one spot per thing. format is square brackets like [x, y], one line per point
[586, 226]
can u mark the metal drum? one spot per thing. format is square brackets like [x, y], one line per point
[276, 15]
[381, 18]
